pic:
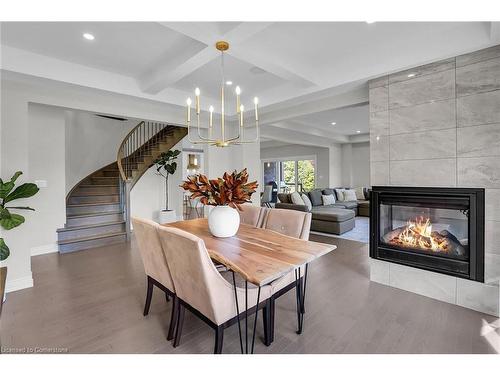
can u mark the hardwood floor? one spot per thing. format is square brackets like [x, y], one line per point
[91, 302]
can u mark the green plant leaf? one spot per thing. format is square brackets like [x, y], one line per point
[4, 213]
[4, 250]
[22, 191]
[11, 222]
[6, 187]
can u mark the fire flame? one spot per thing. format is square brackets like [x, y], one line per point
[418, 233]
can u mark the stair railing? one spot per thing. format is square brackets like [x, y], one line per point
[135, 146]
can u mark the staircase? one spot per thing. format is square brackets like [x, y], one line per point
[98, 207]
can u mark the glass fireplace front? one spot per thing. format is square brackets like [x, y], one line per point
[437, 229]
[430, 230]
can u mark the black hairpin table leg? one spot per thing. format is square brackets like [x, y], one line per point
[300, 287]
[246, 317]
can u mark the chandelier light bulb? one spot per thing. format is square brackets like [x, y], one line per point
[238, 90]
[197, 91]
[188, 101]
[242, 108]
[211, 109]
[255, 100]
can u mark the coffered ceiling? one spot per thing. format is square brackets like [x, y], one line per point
[306, 75]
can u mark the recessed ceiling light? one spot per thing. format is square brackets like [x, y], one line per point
[88, 36]
[370, 21]
[411, 75]
[358, 131]
[229, 83]
[333, 123]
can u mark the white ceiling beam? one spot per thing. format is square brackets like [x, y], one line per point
[346, 99]
[300, 128]
[208, 34]
[294, 137]
[163, 77]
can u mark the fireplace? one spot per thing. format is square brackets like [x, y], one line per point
[436, 229]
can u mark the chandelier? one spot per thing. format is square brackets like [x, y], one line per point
[223, 140]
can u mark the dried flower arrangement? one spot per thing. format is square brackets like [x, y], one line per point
[232, 189]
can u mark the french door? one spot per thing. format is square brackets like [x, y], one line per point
[291, 174]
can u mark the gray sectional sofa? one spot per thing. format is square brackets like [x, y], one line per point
[336, 218]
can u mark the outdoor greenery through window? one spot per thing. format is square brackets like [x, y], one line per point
[291, 175]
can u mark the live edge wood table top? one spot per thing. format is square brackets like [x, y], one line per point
[259, 255]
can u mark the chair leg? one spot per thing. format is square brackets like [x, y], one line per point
[219, 337]
[173, 319]
[149, 295]
[180, 321]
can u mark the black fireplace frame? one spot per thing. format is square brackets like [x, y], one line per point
[473, 270]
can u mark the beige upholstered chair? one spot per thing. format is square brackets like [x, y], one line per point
[252, 215]
[155, 265]
[200, 287]
[294, 224]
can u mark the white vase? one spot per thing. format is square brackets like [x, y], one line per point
[223, 221]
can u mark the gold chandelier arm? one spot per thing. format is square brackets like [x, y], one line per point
[199, 131]
[203, 139]
[257, 136]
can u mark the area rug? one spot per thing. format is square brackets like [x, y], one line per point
[360, 232]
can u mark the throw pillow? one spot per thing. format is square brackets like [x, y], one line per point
[307, 202]
[315, 196]
[360, 194]
[284, 198]
[349, 195]
[296, 199]
[340, 194]
[328, 199]
[328, 191]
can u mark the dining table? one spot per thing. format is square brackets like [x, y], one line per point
[260, 256]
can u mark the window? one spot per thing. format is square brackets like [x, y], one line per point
[291, 175]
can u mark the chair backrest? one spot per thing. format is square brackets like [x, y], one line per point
[196, 279]
[267, 196]
[252, 215]
[289, 222]
[153, 257]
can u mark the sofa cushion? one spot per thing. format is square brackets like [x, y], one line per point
[360, 193]
[349, 204]
[340, 194]
[296, 198]
[315, 196]
[284, 198]
[332, 214]
[307, 201]
[350, 195]
[328, 191]
[363, 203]
[328, 199]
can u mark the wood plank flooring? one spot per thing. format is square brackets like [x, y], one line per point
[91, 302]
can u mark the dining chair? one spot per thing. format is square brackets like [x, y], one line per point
[294, 224]
[155, 266]
[267, 196]
[201, 289]
[252, 215]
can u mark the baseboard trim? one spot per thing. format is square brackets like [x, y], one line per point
[18, 284]
[44, 249]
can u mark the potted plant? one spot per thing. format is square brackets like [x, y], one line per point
[226, 194]
[165, 166]
[8, 219]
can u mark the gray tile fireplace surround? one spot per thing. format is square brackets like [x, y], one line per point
[441, 127]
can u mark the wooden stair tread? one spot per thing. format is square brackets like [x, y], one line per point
[94, 214]
[96, 225]
[90, 204]
[90, 238]
[96, 195]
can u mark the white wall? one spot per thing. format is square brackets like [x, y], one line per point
[335, 165]
[46, 161]
[293, 151]
[356, 164]
[91, 143]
